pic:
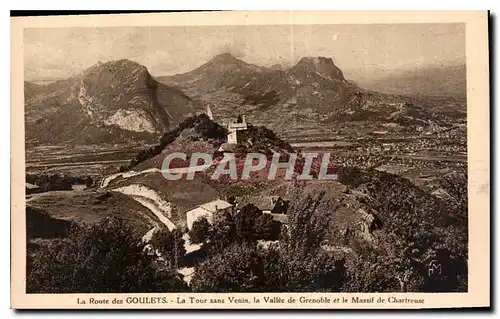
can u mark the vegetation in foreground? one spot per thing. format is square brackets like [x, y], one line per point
[248, 252]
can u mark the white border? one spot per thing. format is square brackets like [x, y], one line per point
[131, 5]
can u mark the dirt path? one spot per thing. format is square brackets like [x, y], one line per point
[151, 200]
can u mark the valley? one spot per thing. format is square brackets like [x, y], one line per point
[93, 160]
[95, 145]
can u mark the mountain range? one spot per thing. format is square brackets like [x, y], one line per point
[442, 81]
[313, 92]
[312, 81]
[121, 101]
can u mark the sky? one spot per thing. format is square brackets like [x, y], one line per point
[359, 50]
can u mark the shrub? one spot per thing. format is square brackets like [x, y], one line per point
[170, 244]
[105, 258]
[200, 231]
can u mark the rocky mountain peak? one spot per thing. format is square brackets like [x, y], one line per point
[320, 65]
[117, 66]
[226, 62]
[225, 58]
[108, 102]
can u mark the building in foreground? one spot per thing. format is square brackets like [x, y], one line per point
[274, 205]
[207, 210]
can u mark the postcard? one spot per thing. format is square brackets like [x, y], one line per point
[251, 160]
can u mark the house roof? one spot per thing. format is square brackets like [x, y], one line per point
[214, 205]
[282, 218]
[261, 202]
[199, 211]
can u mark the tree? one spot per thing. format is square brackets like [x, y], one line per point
[296, 263]
[223, 231]
[105, 258]
[200, 232]
[237, 268]
[251, 225]
[373, 270]
[245, 222]
[301, 264]
[266, 228]
[418, 229]
[170, 244]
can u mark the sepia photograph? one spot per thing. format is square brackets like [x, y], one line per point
[247, 158]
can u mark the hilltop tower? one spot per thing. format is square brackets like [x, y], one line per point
[233, 128]
[209, 113]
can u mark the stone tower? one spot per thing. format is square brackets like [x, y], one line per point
[209, 113]
[233, 128]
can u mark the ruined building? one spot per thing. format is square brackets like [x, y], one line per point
[240, 124]
[233, 127]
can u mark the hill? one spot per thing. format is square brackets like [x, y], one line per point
[31, 90]
[110, 102]
[384, 227]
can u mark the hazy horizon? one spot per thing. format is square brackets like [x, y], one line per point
[358, 50]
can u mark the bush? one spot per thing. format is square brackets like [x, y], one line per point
[223, 232]
[200, 232]
[418, 228]
[105, 258]
[237, 268]
[201, 124]
[245, 222]
[170, 244]
[295, 264]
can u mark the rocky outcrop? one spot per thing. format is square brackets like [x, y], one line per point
[111, 102]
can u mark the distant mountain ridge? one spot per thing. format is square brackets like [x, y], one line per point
[430, 81]
[314, 90]
[119, 101]
[31, 90]
[312, 81]
[109, 102]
